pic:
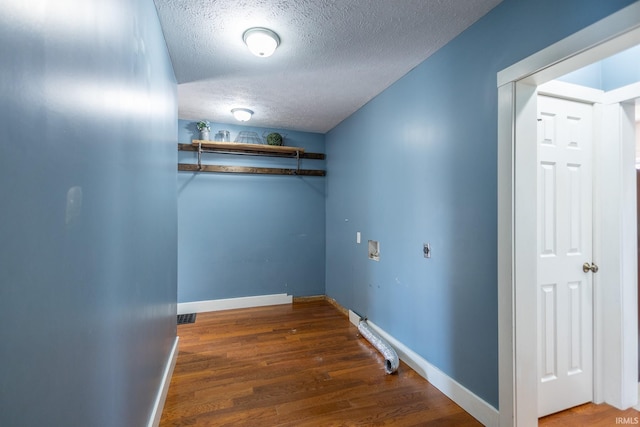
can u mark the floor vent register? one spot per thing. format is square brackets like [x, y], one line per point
[186, 318]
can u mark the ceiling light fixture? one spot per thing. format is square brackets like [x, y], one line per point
[242, 114]
[261, 41]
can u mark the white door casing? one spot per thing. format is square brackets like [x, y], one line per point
[616, 288]
[564, 244]
[517, 321]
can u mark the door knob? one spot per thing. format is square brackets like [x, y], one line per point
[586, 267]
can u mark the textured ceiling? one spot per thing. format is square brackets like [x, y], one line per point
[334, 55]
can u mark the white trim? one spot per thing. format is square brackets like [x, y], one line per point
[610, 35]
[525, 319]
[599, 236]
[618, 258]
[462, 396]
[354, 317]
[161, 397]
[622, 94]
[629, 268]
[571, 92]
[231, 303]
[506, 285]
[478, 408]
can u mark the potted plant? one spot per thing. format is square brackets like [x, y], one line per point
[274, 138]
[204, 128]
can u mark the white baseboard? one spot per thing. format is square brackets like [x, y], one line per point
[354, 317]
[231, 303]
[158, 405]
[467, 400]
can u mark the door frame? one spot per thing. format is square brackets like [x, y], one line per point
[517, 317]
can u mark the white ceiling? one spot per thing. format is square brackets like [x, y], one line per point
[334, 56]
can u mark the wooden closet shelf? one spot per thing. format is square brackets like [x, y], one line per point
[248, 147]
[255, 149]
[202, 147]
[189, 167]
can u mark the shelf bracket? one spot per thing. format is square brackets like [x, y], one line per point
[199, 155]
[298, 161]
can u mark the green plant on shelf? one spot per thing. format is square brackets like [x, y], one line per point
[203, 125]
[274, 138]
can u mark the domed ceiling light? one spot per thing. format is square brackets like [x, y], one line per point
[242, 114]
[261, 41]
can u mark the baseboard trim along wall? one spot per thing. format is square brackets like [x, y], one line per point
[231, 303]
[161, 397]
[467, 400]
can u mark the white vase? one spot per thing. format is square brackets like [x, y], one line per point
[204, 134]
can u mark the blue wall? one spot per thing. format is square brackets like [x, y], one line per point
[418, 164]
[611, 73]
[245, 235]
[88, 128]
[622, 69]
[589, 76]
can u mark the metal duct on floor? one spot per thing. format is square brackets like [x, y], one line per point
[391, 361]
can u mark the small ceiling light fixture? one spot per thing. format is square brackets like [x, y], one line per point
[261, 41]
[242, 114]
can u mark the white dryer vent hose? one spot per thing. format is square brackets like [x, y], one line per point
[391, 361]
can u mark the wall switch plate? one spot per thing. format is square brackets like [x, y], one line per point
[426, 250]
[358, 237]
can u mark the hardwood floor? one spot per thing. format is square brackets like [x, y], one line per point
[591, 415]
[305, 365]
[294, 365]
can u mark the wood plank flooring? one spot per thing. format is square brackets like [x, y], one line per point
[294, 365]
[305, 365]
[591, 415]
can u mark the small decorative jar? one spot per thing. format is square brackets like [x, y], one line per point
[204, 128]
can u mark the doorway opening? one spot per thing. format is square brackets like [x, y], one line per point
[615, 305]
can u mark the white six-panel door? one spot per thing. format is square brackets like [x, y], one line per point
[565, 296]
